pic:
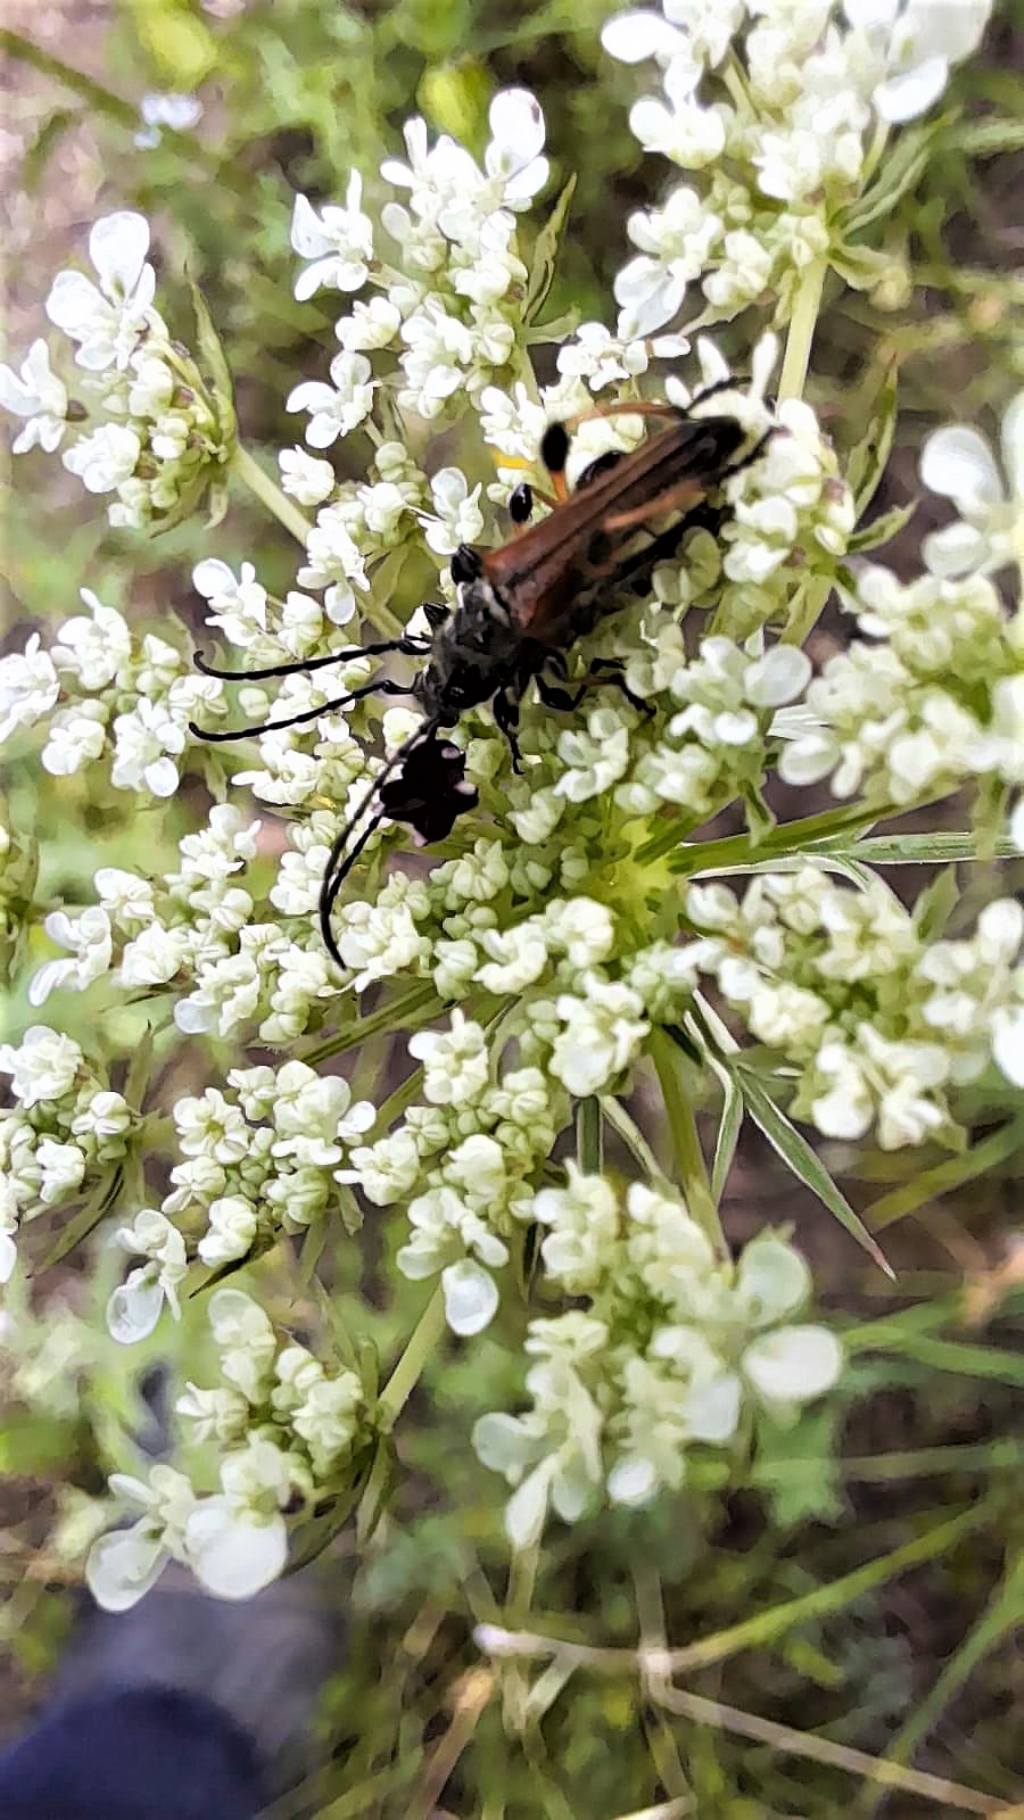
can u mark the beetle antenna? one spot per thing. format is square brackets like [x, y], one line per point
[338, 867]
[409, 644]
[382, 686]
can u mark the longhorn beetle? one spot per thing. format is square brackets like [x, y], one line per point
[520, 607]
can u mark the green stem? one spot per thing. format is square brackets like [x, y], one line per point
[407, 1372]
[269, 494]
[633, 1138]
[801, 330]
[589, 1144]
[686, 1143]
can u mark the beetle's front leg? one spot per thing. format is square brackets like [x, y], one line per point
[506, 719]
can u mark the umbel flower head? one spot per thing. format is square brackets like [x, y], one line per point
[575, 926]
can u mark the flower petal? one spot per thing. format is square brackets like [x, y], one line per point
[793, 1364]
[955, 550]
[233, 1553]
[123, 1566]
[470, 1296]
[118, 246]
[957, 462]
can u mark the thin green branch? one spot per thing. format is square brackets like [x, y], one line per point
[269, 494]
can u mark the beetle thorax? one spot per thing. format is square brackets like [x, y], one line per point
[471, 654]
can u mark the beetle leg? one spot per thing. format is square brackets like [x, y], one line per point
[506, 719]
[553, 697]
[466, 564]
[748, 460]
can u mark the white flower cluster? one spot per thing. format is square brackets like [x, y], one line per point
[937, 702]
[100, 690]
[151, 933]
[146, 427]
[778, 114]
[283, 1428]
[65, 1130]
[671, 1347]
[876, 1023]
[531, 963]
[452, 305]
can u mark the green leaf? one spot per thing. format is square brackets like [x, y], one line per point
[545, 253]
[915, 849]
[729, 1127]
[214, 361]
[881, 529]
[85, 1220]
[936, 905]
[868, 460]
[899, 174]
[861, 266]
[795, 1467]
[556, 329]
[804, 1162]
[984, 138]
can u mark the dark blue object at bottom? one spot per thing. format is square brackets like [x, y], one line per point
[151, 1754]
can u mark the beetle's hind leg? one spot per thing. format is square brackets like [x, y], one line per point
[604, 673]
[506, 719]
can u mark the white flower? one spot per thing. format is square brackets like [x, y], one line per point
[958, 463]
[134, 1309]
[387, 1170]
[239, 606]
[459, 518]
[456, 1062]
[371, 326]
[93, 648]
[594, 759]
[246, 1342]
[107, 322]
[231, 1230]
[105, 458]
[602, 1034]
[584, 1222]
[313, 1115]
[236, 1542]
[675, 242]
[29, 687]
[633, 37]
[147, 742]
[179, 112]
[470, 1297]
[37, 395]
[919, 40]
[62, 1166]
[513, 158]
[304, 478]
[679, 126]
[338, 408]
[327, 1419]
[89, 936]
[792, 1365]
[154, 957]
[518, 956]
[123, 1565]
[43, 1067]
[338, 242]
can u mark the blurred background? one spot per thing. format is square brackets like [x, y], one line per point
[276, 96]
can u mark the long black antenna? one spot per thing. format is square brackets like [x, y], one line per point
[337, 868]
[379, 686]
[409, 643]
